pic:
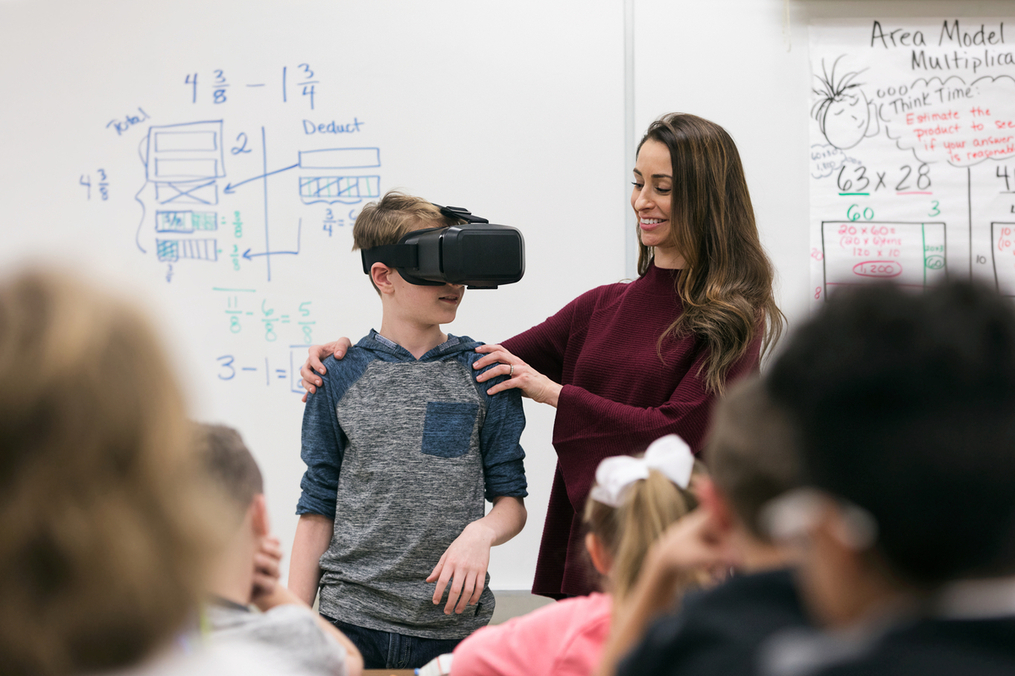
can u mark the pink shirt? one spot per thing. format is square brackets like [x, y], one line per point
[564, 638]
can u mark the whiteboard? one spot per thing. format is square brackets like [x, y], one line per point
[207, 159]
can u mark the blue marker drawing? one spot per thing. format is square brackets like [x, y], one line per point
[230, 187]
[295, 357]
[250, 256]
[184, 162]
[187, 193]
[186, 152]
[346, 189]
[185, 221]
[172, 250]
[330, 189]
[341, 158]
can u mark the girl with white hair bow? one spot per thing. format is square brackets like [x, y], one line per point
[633, 501]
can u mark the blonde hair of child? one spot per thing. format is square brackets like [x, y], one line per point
[392, 218]
[105, 537]
[628, 532]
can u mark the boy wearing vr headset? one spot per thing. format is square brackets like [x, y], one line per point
[401, 445]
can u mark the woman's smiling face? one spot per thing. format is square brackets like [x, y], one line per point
[651, 200]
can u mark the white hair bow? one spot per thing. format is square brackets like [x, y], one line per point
[670, 455]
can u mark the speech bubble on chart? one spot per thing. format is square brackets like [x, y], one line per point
[826, 159]
[951, 120]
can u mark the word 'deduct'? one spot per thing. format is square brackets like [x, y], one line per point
[331, 127]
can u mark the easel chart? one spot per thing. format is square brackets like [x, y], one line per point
[912, 127]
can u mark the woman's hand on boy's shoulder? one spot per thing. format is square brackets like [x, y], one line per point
[520, 375]
[313, 367]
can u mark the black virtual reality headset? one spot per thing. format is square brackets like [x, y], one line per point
[478, 254]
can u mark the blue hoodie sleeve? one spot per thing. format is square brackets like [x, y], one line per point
[323, 446]
[503, 466]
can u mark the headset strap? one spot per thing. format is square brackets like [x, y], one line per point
[460, 213]
[392, 255]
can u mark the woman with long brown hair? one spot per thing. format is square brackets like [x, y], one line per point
[624, 364]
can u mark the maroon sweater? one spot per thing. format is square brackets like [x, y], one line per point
[618, 397]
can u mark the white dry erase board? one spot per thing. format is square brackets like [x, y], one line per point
[207, 159]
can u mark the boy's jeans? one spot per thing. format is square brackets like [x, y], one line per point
[385, 650]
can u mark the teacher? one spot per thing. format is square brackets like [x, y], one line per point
[627, 363]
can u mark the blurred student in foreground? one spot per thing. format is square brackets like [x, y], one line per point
[247, 572]
[105, 542]
[906, 408]
[753, 459]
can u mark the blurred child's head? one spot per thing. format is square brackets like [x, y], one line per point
[906, 407]
[751, 453]
[392, 218]
[632, 502]
[104, 543]
[231, 467]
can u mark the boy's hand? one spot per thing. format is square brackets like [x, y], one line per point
[314, 366]
[266, 567]
[464, 563]
[694, 542]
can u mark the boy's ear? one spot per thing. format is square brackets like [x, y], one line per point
[259, 515]
[712, 501]
[381, 276]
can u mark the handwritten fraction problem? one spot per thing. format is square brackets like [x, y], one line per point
[912, 141]
[248, 171]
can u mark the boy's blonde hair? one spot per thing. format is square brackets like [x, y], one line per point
[392, 218]
[104, 543]
[650, 506]
[396, 215]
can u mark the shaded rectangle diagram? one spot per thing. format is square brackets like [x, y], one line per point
[172, 250]
[340, 187]
[340, 158]
[1002, 241]
[185, 152]
[865, 252]
[185, 221]
[204, 220]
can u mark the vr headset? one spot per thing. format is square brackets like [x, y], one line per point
[478, 254]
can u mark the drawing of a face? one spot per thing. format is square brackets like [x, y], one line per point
[847, 119]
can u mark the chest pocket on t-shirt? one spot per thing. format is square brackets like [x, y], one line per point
[447, 429]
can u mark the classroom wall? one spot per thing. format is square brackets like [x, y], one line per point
[512, 109]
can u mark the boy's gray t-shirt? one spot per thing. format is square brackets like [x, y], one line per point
[287, 634]
[400, 452]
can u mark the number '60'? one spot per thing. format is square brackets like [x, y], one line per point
[854, 213]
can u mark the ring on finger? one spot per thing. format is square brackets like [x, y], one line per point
[511, 373]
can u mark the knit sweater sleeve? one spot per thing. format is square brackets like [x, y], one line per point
[543, 346]
[589, 428]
